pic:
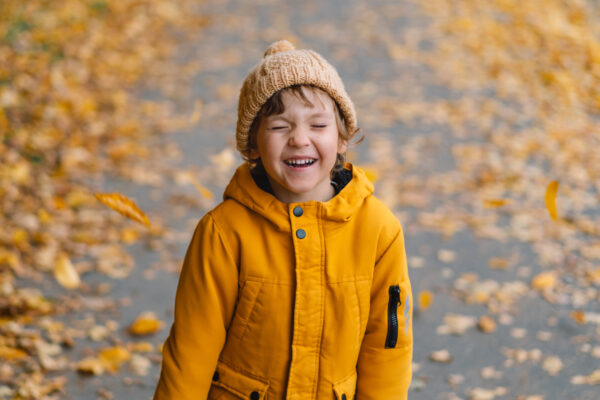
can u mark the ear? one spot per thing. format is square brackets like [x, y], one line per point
[342, 146]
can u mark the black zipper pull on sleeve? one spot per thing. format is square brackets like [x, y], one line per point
[394, 301]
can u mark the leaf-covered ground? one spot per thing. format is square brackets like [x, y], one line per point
[482, 134]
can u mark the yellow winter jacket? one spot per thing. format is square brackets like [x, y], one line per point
[292, 301]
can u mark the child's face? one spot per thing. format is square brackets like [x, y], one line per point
[298, 148]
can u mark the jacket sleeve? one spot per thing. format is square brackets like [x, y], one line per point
[204, 304]
[384, 372]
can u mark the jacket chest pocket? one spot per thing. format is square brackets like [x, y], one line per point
[244, 308]
[229, 384]
[346, 388]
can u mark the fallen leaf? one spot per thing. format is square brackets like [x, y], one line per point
[544, 280]
[12, 354]
[578, 316]
[425, 299]
[495, 203]
[90, 366]
[591, 379]
[123, 205]
[145, 324]
[113, 357]
[140, 365]
[456, 324]
[441, 356]
[65, 273]
[486, 324]
[552, 365]
[446, 256]
[551, 192]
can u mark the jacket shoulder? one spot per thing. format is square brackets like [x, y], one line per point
[382, 214]
[386, 223]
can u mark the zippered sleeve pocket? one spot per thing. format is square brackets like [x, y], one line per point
[392, 314]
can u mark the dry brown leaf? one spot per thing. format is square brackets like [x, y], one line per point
[123, 205]
[65, 273]
[441, 356]
[90, 366]
[486, 324]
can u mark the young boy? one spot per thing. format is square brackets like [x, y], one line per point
[295, 286]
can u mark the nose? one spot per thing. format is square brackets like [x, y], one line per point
[298, 137]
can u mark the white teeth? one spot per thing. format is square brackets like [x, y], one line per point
[306, 161]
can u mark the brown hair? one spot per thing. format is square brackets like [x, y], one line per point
[275, 106]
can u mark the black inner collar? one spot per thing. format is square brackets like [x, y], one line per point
[341, 178]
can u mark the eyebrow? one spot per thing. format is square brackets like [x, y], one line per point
[320, 114]
[281, 117]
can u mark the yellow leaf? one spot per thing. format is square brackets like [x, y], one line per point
[551, 199]
[44, 216]
[544, 280]
[425, 299]
[9, 258]
[578, 316]
[494, 203]
[207, 194]
[188, 177]
[129, 235]
[12, 354]
[145, 324]
[65, 273]
[20, 236]
[124, 206]
[78, 198]
[113, 357]
[142, 347]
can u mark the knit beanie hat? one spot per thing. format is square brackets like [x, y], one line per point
[284, 66]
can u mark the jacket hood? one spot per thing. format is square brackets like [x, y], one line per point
[339, 208]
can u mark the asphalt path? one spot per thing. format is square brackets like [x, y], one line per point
[355, 37]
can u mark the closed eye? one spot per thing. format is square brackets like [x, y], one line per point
[275, 128]
[319, 126]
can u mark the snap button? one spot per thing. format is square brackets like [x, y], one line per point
[300, 233]
[254, 395]
[216, 376]
[343, 396]
[298, 211]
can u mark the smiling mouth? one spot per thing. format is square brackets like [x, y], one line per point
[300, 162]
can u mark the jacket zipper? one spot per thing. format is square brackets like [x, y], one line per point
[392, 333]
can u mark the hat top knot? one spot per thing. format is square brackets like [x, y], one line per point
[278, 47]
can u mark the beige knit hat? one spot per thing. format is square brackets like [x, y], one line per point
[283, 66]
